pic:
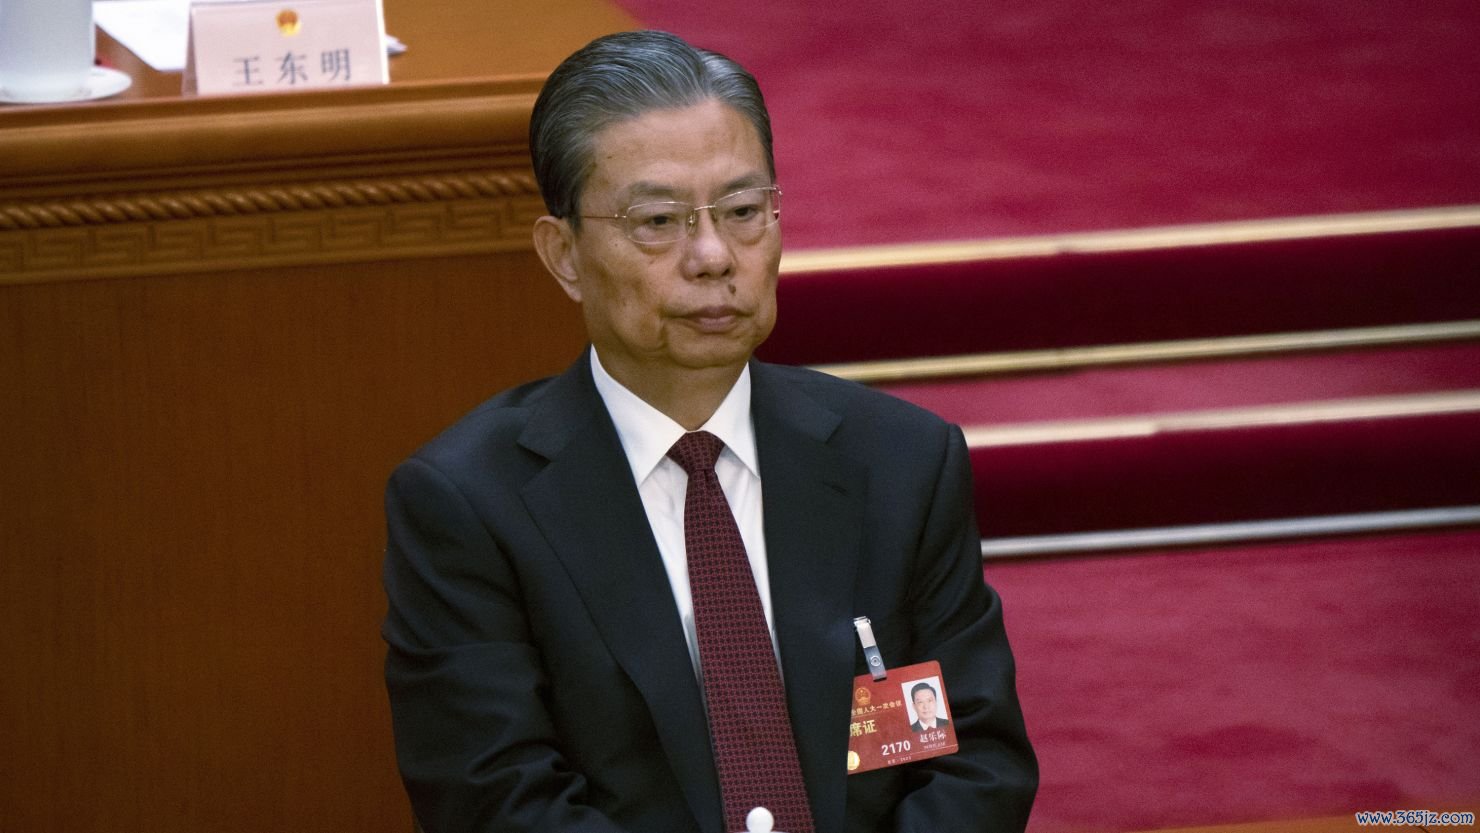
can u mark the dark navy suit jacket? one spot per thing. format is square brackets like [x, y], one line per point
[537, 670]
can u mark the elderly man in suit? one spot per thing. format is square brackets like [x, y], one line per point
[621, 599]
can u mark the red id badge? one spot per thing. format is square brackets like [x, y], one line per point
[889, 717]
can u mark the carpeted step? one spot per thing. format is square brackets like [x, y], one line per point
[1161, 387]
[1224, 441]
[1119, 297]
[1242, 472]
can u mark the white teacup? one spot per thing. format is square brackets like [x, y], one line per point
[46, 49]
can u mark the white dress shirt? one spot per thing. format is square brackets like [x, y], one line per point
[647, 434]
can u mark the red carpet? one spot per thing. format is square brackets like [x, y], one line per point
[1033, 303]
[1223, 383]
[1266, 682]
[906, 122]
[1228, 475]
[1256, 472]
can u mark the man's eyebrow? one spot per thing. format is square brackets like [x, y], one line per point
[649, 190]
[645, 190]
[754, 180]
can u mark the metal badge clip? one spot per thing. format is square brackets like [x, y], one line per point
[870, 648]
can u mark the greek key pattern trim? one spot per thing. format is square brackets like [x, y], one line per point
[204, 230]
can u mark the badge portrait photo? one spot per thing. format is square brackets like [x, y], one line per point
[925, 700]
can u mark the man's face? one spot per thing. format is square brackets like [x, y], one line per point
[925, 705]
[703, 302]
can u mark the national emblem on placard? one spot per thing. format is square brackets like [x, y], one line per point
[288, 23]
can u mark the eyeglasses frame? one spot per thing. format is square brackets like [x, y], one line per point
[692, 222]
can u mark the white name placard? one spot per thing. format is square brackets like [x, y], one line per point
[257, 46]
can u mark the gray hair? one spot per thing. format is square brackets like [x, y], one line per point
[620, 77]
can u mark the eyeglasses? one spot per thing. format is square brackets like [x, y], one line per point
[742, 216]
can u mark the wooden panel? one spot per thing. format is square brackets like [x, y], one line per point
[222, 323]
[192, 530]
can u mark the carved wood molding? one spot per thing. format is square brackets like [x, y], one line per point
[50, 148]
[204, 185]
[217, 202]
[270, 225]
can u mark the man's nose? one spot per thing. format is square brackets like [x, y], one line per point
[709, 254]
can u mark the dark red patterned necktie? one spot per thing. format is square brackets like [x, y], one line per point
[754, 750]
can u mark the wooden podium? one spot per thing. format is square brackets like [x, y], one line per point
[222, 322]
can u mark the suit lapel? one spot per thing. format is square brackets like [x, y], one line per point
[588, 508]
[813, 516]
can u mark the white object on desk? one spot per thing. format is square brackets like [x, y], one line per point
[264, 46]
[157, 30]
[152, 29]
[101, 83]
[46, 50]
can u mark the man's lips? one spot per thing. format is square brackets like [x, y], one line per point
[714, 319]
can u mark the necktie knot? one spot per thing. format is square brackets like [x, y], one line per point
[696, 451]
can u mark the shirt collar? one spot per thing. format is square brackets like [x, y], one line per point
[647, 433]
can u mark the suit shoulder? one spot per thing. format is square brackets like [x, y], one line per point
[486, 432]
[851, 399]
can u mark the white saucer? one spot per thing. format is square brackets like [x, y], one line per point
[102, 82]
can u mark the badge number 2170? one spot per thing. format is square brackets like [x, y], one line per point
[899, 719]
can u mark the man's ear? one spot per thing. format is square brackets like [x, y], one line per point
[556, 241]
